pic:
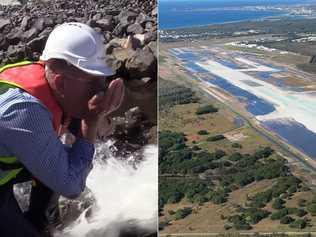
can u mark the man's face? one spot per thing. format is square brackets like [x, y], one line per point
[79, 88]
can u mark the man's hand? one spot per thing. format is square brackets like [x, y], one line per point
[108, 102]
[102, 104]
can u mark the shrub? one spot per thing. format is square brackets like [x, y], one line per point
[301, 212]
[278, 203]
[206, 109]
[203, 132]
[236, 145]
[279, 214]
[311, 207]
[215, 138]
[298, 224]
[235, 156]
[286, 220]
[182, 213]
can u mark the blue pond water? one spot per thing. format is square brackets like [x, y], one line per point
[254, 104]
[195, 68]
[264, 75]
[229, 64]
[296, 134]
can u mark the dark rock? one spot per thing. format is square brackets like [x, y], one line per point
[153, 46]
[39, 24]
[98, 29]
[135, 29]
[30, 34]
[2, 54]
[154, 12]
[143, 19]
[97, 17]
[37, 44]
[14, 37]
[15, 53]
[105, 24]
[149, 25]
[128, 13]
[113, 12]
[142, 64]
[91, 23]
[120, 29]
[49, 21]
[107, 36]
[3, 43]
[26, 23]
[135, 41]
[127, 17]
[149, 37]
[116, 65]
[4, 23]
[46, 32]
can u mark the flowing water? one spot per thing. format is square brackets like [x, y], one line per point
[122, 196]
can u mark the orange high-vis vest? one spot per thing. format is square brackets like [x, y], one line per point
[30, 77]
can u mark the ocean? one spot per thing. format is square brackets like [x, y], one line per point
[182, 14]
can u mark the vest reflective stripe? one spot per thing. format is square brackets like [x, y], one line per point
[30, 76]
[8, 160]
[23, 63]
[8, 175]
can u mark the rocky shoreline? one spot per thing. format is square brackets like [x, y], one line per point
[130, 40]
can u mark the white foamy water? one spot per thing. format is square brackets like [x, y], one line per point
[124, 196]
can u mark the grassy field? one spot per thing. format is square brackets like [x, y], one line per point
[209, 217]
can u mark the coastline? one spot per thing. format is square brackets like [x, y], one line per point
[266, 18]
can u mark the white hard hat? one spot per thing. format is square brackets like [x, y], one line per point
[79, 45]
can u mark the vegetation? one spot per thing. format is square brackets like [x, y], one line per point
[191, 174]
[298, 224]
[286, 220]
[215, 138]
[311, 207]
[203, 132]
[206, 109]
[172, 94]
[182, 213]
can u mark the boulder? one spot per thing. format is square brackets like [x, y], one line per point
[14, 37]
[105, 24]
[26, 23]
[39, 24]
[127, 16]
[37, 44]
[4, 23]
[135, 29]
[120, 29]
[3, 43]
[30, 34]
[143, 19]
[15, 53]
[142, 64]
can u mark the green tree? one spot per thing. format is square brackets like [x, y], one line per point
[278, 203]
[203, 132]
[286, 220]
[298, 224]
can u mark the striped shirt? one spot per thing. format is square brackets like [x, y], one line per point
[26, 132]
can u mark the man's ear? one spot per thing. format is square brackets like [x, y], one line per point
[59, 83]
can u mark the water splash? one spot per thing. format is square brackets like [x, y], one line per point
[125, 198]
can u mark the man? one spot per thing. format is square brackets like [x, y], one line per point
[37, 101]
